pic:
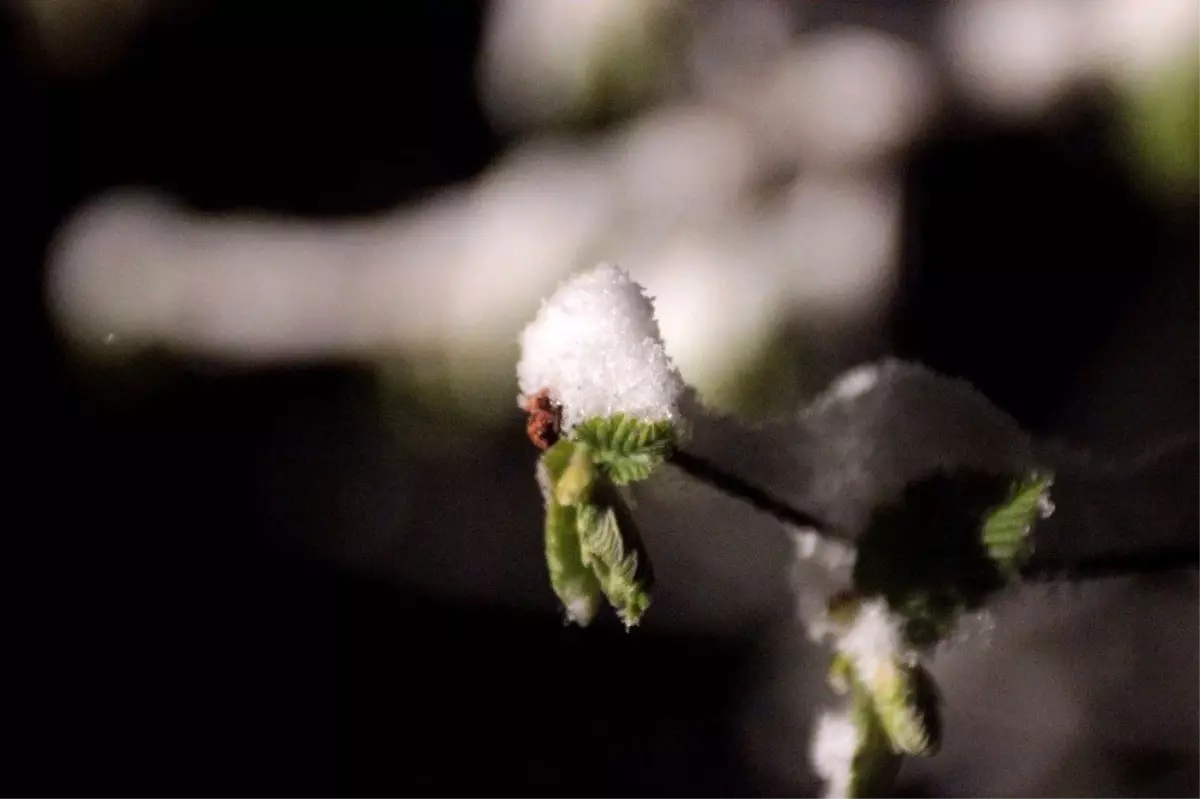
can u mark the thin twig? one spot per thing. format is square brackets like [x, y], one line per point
[1103, 565]
[1041, 568]
[707, 471]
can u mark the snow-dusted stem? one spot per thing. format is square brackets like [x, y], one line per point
[730, 484]
[1039, 568]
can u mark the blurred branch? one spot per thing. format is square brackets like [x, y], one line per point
[1040, 568]
[1125, 563]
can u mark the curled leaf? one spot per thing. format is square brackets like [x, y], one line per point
[592, 544]
[574, 484]
[907, 704]
[612, 547]
[876, 763]
[552, 463]
[573, 582]
[851, 748]
[871, 658]
[575, 585]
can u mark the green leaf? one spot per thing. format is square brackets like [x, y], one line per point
[907, 703]
[574, 483]
[876, 764]
[946, 545]
[626, 449]
[612, 547]
[556, 459]
[593, 546]
[904, 694]
[1006, 527]
[575, 585]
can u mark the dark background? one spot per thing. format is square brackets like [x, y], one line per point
[167, 633]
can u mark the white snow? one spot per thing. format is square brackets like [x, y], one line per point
[822, 566]
[873, 641]
[595, 344]
[856, 382]
[582, 609]
[835, 738]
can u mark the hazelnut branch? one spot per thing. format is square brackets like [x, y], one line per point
[1040, 568]
[730, 484]
[1104, 565]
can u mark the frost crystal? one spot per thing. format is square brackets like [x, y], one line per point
[595, 344]
[834, 742]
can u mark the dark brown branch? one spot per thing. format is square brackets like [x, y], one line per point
[1104, 565]
[730, 484]
[1041, 568]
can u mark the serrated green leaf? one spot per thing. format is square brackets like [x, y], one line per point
[628, 470]
[624, 448]
[612, 547]
[945, 545]
[575, 585]
[592, 544]
[907, 703]
[876, 764]
[1006, 527]
[600, 536]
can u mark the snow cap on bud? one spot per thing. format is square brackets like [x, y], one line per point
[596, 346]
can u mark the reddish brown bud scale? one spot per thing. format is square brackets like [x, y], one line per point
[544, 424]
